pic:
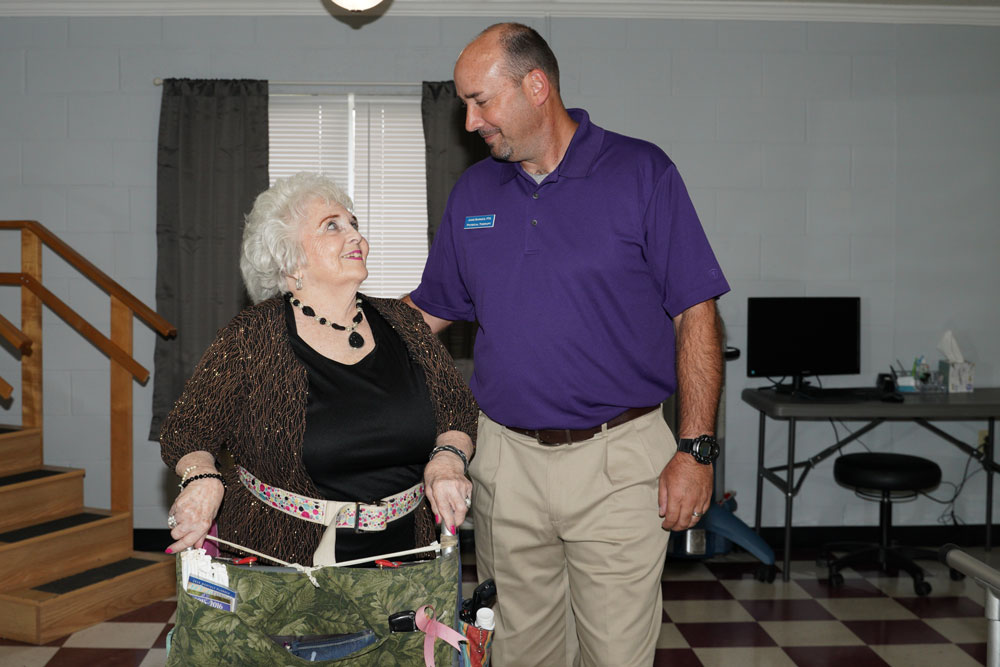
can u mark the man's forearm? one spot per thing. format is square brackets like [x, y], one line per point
[435, 323]
[699, 368]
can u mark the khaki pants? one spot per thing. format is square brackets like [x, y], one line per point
[580, 518]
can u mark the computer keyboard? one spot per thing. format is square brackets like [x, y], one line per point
[842, 394]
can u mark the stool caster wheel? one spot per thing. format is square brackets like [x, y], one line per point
[921, 588]
[836, 580]
[955, 574]
[765, 573]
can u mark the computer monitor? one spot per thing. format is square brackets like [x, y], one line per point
[796, 337]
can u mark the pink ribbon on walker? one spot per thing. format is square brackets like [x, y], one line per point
[434, 629]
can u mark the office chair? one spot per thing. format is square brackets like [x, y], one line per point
[887, 478]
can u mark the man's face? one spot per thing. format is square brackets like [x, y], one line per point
[496, 106]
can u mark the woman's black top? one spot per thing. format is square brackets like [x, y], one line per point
[369, 430]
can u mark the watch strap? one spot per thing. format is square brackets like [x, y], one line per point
[694, 446]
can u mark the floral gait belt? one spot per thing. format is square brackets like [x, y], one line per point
[362, 517]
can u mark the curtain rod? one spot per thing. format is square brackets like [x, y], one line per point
[159, 82]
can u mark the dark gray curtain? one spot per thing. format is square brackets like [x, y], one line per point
[450, 151]
[211, 164]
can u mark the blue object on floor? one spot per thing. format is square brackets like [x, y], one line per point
[715, 534]
[723, 522]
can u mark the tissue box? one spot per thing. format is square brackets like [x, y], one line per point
[959, 377]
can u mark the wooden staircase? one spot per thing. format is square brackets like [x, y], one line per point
[64, 566]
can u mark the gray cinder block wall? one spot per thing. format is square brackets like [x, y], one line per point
[824, 158]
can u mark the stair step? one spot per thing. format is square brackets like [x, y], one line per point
[92, 576]
[54, 549]
[49, 526]
[33, 496]
[27, 476]
[54, 609]
[20, 449]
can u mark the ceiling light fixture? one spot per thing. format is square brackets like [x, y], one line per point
[356, 5]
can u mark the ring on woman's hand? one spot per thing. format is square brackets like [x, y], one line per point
[696, 514]
[171, 521]
[468, 502]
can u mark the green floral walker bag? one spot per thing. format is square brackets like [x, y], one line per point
[354, 617]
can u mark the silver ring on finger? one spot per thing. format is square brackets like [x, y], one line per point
[468, 502]
[696, 514]
[171, 521]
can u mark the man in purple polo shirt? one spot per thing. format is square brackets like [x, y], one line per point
[581, 256]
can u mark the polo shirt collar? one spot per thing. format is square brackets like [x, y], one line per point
[580, 155]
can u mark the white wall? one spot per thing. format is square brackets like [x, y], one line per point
[824, 159]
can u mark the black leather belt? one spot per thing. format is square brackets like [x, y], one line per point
[565, 436]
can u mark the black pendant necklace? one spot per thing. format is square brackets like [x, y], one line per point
[355, 339]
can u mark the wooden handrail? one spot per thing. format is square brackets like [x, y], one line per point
[74, 319]
[32, 409]
[14, 336]
[117, 345]
[88, 269]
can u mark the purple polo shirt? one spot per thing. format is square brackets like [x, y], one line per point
[574, 281]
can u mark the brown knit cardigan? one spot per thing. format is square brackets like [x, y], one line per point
[248, 396]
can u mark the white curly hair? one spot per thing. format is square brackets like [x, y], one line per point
[271, 248]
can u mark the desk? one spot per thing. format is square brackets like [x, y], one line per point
[981, 404]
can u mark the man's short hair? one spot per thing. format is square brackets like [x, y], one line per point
[524, 50]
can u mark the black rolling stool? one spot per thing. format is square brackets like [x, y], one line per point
[886, 478]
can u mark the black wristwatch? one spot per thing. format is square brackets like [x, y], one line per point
[704, 448]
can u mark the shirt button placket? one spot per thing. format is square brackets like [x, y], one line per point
[531, 244]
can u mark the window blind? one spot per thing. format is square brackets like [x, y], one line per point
[373, 146]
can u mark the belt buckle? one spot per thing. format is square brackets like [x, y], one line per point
[357, 515]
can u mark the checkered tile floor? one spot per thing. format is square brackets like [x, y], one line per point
[714, 614]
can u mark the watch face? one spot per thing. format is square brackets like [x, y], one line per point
[705, 449]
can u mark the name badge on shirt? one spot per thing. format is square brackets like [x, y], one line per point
[479, 221]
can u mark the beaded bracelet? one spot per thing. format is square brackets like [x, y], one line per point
[206, 475]
[454, 450]
[187, 471]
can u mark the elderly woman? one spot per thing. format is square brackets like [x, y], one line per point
[341, 412]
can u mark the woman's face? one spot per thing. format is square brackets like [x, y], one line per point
[334, 248]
